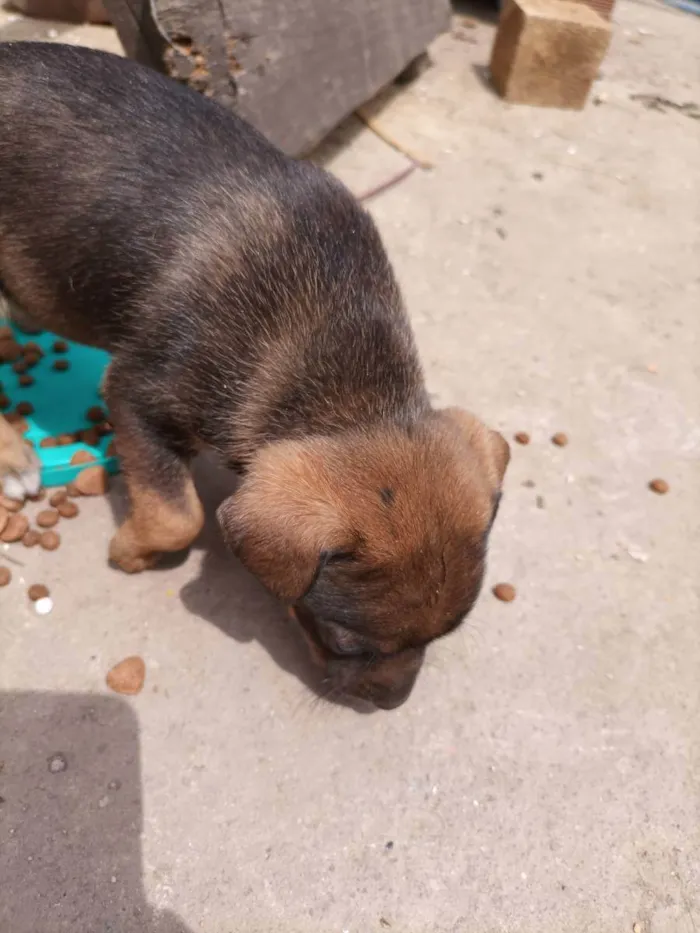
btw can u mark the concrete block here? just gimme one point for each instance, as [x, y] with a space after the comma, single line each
[547, 53]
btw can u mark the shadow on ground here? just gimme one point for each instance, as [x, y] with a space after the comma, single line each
[71, 815]
[224, 594]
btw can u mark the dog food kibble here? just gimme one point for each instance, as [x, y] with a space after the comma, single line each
[95, 414]
[31, 538]
[64, 440]
[67, 509]
[26, 381]
[20, 367]
[105, 428]
[37, 591]
[15, 528]
[659, 486]
[505, 592]
[58, 497]
[60, 346]
[522, 437]
[25, 408]
[47, 519]
[4, 402]
[10, 505]
[72, 491]
[80, 457]
[10, 350]
[48, 442]
[50, 540]
[17, 421]
[32, 349]
[128, 676]
[61, 366]
[90, 436]
[92, 481]
[4, 518]
[560, 439]
[5, 576]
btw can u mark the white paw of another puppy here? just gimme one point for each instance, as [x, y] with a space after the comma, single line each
[20, 470]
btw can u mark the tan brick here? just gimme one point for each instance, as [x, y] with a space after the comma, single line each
[547, 53]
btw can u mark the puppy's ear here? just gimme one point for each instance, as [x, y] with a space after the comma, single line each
[285, 518]
[490, 446]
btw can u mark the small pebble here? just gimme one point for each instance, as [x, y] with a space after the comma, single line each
[37, 591]
[560, 439]
[61, 366]
[43, 606]
[128, 676]
[50, 540]
[659, 486]
[47, 518]
[5, 576]
[505, 592]
[522, 437]
[57, 763]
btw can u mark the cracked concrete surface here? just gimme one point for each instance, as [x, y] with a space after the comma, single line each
[545, 775]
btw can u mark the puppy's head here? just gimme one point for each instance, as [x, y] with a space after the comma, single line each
[378, 539]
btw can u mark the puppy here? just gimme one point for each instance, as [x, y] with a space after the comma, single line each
[250, 308]
[19, 466]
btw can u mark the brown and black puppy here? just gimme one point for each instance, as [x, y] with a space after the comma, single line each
[250, 308]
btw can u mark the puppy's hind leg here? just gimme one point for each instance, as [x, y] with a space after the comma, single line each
[165, 513]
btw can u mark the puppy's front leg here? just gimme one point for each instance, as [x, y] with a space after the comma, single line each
[165, 512]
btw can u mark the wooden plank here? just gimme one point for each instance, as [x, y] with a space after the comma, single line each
[295, 70]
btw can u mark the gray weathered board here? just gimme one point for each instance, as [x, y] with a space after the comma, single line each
[293, 68]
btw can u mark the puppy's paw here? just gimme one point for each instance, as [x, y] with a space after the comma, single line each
[127, 556]
[20, 470]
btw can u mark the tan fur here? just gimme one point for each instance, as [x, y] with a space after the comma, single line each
[302, 498]
[155, 526]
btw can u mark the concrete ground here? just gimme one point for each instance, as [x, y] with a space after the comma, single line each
[545, 775]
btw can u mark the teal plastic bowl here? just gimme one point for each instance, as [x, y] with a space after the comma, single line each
[60, 401]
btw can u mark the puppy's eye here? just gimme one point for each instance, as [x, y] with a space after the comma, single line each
[342, 641]
[340, 557]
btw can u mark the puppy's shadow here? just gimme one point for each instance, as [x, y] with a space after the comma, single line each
[226, 595]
